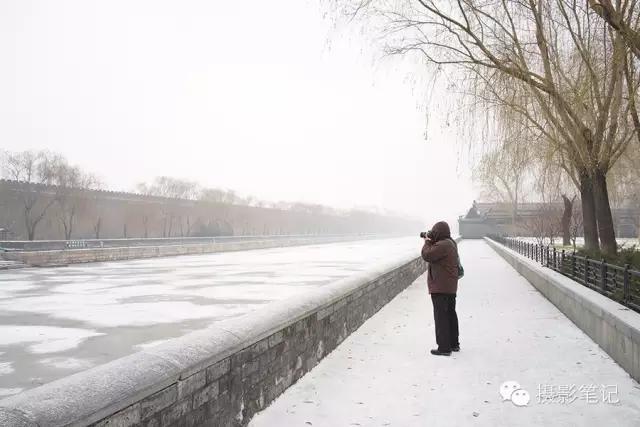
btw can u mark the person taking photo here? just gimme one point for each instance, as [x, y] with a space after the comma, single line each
[441, 252]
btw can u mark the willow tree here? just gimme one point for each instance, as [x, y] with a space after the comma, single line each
[503, 168]
[560, 53]
[624, 17]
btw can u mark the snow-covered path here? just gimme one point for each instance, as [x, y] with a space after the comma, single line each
[383, 374]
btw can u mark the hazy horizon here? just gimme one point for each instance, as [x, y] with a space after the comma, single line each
[271, 103]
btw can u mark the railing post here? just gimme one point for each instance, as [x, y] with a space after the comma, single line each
[625, 284]
[547, 255]
[603, 275]
[586, 270]
[573, 265]
[562, 261]
[555, 258]
[536, 252]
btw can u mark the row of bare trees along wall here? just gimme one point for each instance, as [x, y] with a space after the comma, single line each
[44, 197]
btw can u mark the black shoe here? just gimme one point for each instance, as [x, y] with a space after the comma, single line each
[440, 353]
[455, 348]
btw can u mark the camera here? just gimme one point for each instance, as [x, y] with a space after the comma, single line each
[427, 235]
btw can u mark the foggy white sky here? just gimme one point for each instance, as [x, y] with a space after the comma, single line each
[241, 95]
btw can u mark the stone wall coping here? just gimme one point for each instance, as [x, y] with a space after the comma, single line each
[91, 395]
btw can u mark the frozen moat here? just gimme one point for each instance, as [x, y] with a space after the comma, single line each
[58, 321]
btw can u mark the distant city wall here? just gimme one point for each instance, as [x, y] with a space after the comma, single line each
[56, 257]
[614, 327]
[112, 215]
[220, 376]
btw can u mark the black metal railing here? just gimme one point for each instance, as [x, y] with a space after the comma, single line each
[620, 283]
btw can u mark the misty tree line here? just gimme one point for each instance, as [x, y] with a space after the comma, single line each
[550, 86]
[65, 192]
[173, 188]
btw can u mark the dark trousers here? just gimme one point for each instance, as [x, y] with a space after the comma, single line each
[446, 319]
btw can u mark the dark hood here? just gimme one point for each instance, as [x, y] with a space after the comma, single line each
[441, 231]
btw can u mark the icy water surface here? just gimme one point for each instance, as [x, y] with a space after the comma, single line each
[58, 321]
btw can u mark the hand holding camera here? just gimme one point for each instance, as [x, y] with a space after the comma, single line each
[428, 235]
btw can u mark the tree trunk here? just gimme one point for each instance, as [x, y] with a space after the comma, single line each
[31, 227]
[590, 227]
[566, 220]
[603, 214]
[514, 215]
[96, 228]
[68, 229]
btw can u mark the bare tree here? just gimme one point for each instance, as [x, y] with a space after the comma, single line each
[71, 196]
[553, 51]
[567, 215]
[623, 17]
[215, 195]
[172, 190]
[502, 171]
[575, 228]
[36, 171]
[145, 224]
[97, 227]
[544, 226]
